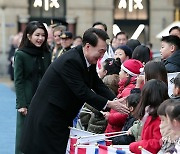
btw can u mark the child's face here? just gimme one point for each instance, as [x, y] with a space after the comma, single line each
[163, 125]
[119, 53]
[166, 50]
[176, 91]
[174, 124]
[122, 75]
[102, 72]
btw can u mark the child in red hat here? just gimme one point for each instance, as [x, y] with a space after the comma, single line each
[130, 69]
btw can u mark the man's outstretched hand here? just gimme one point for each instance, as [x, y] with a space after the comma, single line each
[118, 105]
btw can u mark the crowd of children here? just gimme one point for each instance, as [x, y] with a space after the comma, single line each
[153, 122]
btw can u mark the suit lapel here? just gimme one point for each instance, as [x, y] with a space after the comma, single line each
[80, 51]
[91, 72]
[88, 72]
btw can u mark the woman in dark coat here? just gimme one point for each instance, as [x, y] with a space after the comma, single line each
[31, 61]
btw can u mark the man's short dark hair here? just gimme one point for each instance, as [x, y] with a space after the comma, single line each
[177, 81]
[173, 28]
[122, 33]
[100, 23]
[175, 40]
[92, 34]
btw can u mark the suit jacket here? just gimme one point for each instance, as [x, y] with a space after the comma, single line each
[65, 87]
[23, 76]
[68, 84]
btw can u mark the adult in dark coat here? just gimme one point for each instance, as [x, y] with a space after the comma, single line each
[70, 81]
[31, 61]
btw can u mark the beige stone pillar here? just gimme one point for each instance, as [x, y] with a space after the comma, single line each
[10, 10]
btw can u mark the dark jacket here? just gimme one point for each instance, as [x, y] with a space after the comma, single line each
[66, 85]
[28, 71]
[125, 139]
[172, 63]
[97, 123]
[24, 66]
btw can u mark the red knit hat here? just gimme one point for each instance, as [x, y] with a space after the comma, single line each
[132, 66]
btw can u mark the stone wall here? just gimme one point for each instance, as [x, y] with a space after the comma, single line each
[10, 11]
[161, 15]
[86, 12]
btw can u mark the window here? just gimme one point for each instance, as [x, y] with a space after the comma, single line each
[36, 12]
[131, 10]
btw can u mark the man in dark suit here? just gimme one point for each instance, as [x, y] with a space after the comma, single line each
[70, 81]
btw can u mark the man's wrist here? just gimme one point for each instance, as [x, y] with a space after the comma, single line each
[104, 108]
[109, 104]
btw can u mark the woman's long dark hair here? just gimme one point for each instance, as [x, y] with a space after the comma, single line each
[154, 92]
[30, 28]
[155, 70]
